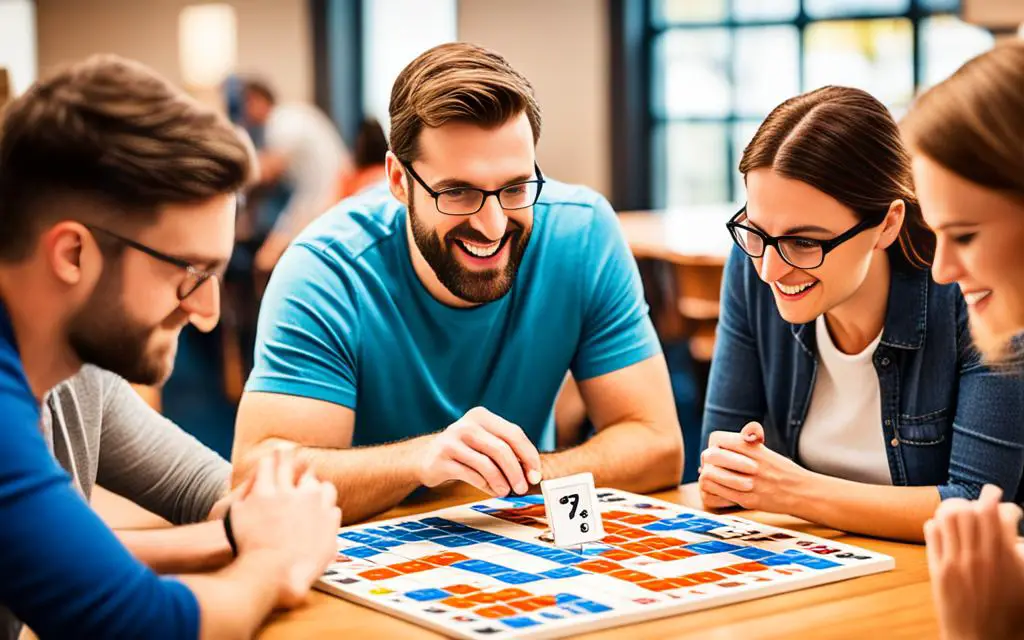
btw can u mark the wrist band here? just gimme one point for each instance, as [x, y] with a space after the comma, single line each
[229, 534]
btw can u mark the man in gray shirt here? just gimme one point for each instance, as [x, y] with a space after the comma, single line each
[102, 432]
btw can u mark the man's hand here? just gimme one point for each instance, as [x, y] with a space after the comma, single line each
[483, 450]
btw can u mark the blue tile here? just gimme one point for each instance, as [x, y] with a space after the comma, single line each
[516, 577]
[712, 546]
[358, 536]
[565, 598]
[562, 572]
[427, 595]
[519, 623]
[481, 566]
[413, 526]
[436, 521]
[753, 553]
[551, 616]
[428, 534]
[776, 560]
[590, 606]
[361, 552]
[454, 542]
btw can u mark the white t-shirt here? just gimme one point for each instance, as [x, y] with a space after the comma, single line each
[316, 158]
[842, 435]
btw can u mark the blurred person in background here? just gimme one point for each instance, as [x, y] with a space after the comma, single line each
[301, 148]
[370, 152]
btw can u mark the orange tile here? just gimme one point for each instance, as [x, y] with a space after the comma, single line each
[546, 601]
[636, 547]
[680, 553]
[413, 566]
[674, 542]
[614, 540]
[661, 555]
[526, 605]
[599, 566]
[615, 515]
[658, 543]
[511, 594]
[702, 577]
[683, 582]
[459, 603]
[379, 574]
[749, 567]
[634, 534]
[729, 571]
[640, 519]
[658, 585]
[500, 611]
[482, 598]
[445, 559]
[461, 589]
[631, 576]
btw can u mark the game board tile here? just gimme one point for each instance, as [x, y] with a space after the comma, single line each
[615, 515]
[634, 534]
[379, 574]
[483, 598]
[640, 518]
[730, 584]
[618, 554]
[459, 603]
[461, 589]
[511, 594]
[683, 582]
[658, 585]
[749, 567]
[630, 575]
[520, 622]
[495, 612]
[661, 555]
[426, 595]
[702, 577]
[599, 566]
[660, 543]
[679, 554]
[729, 571]
[380, 591]
[637, 547]
[444, 559]
[413, 566]
[526, 606]
[614, 539]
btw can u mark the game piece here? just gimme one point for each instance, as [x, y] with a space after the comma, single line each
[483, 570]
[572, 513]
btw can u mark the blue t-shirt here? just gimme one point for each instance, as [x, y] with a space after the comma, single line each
[345, 319]
[62, 571]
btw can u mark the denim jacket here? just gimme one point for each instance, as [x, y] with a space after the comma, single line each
[947, 420]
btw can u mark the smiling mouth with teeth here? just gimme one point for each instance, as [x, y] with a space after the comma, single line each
[483, 251]
[792, 290]
[974, 297]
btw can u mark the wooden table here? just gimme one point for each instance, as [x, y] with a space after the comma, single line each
[688, 237]
[896, 604]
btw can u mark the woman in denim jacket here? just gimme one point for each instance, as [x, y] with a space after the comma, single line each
[967, 138]
[844, 388]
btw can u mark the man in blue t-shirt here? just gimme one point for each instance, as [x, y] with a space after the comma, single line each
[117, 203]
[420, 333]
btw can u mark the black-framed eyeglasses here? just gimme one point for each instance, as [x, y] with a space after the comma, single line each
[465, 201]
[797, 251]
[194, 278]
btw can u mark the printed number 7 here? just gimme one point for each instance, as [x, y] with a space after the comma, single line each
[575, 497]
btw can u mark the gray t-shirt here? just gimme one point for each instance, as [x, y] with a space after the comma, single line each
[103, 433]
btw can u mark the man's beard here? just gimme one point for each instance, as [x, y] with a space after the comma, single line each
[477, 287]
[102, 334]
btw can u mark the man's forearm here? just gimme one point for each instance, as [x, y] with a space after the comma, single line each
[630, 456]
[234, 601]
[369, 480]
[193, 548]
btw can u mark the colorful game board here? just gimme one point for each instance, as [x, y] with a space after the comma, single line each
[488, 570]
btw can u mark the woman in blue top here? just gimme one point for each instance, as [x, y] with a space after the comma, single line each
[844, 388]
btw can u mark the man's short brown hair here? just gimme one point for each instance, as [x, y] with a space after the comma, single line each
[109, 133]
[457, 82]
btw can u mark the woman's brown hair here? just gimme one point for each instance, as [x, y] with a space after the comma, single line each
[845, 143]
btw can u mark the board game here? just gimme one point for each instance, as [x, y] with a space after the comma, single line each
[488, 569]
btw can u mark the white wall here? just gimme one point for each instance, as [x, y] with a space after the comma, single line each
[561, 46]
[274, 37]
[18, 42]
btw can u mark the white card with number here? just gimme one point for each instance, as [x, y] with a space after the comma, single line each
[573, 514]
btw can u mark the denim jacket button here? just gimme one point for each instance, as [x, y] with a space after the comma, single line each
[895, 442]
[884, 362]
[888, 422]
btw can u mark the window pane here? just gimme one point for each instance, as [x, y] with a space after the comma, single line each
[874, 55]
[696, 80]
[940, 5]
[947, 43]
[839, 8]
[696, 164]
[766, 68]
[742, 132]
[692, 10]
[752, 10]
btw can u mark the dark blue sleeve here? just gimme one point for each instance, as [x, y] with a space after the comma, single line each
[988, 441]
[736, 392]
[62, 571]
